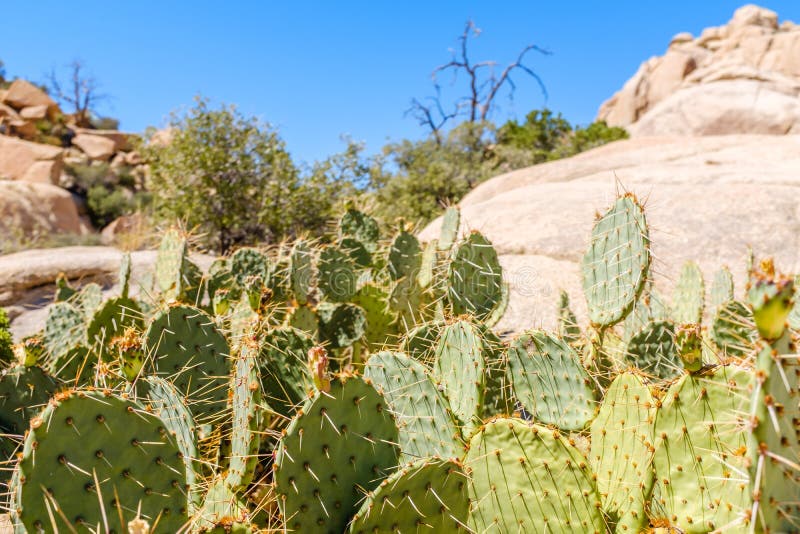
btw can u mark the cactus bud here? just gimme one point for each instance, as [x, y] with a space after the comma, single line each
[128, 347]
[29, 351]
[689, 341]
[772, 297]
[318, 365]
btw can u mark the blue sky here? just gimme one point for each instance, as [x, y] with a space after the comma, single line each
[318, 70]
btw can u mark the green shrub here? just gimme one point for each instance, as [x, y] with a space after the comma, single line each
[106, 203]
[6, 339]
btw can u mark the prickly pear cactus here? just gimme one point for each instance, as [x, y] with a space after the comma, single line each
[689, 345]
[110, 321]
[341, 325]
[649, 308]
[183, 345]
[282, 367]
[622, 451]
[420, 342]
[475, 278]
[342, 444]
[75, 367]
[653, 351]
[336, 278]
[361, 227]
[721, 288]
[568, 327]
[408, 301]
[528, 478]
[247, 417]
[688, 298]
[449, 232]
[550, 382]
[733, 329]
[405, 256]
[170, 264]
[616, 264]
[223, 512]
[460, 367]
[95, 457]
[64, 328]
[429, 494]
[303, 318]
[301, 270]
[700, 461]
[357, 252]
[380, 328]
[24, 391]
[249, 262]
[427, 428]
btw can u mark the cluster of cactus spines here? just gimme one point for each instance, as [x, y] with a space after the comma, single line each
[429, 494]
[616, 265]
[344, 442]
[549, 381]
[475, 278]
[183, 344]
[688, 299]
[427, 428]
[526, 477]
[622, 451]
[91, 459]
[375, 407]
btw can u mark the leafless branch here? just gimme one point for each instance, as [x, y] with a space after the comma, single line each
[81, 93]
[482, 91]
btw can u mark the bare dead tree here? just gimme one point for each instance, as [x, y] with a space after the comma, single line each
[80, 92]
[483, 88]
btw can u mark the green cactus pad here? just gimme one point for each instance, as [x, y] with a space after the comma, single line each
[550, 382]
[428, 495]
[341, 445]
[285, 379]
[99, 456]
[110, 321]
[247, 262]
[89, 299]
[648, 308]
[303, 318]
[247, 418]
[361, 227]
[427, 267]
[380, 328]
[408, 301]
[771, 298]
[356, 251]
[653, 351]
[701, 478]
[528, 478]
[568, 327]
[75, 367]
[420, 342]
[124, 278]
[301, 271]
[721, 288]
[184, 346]
[64, 328]
[616, 264]
[220, 278]
[341, 325]
[405, 256]
[621, 451]
[449, 231]
[336, 279]
[63, 290]
[733, 329]
[222, 512]
[24, 391]
[460, 367]
[171, 269]
[427, 428]
[474, 278]
[689, 295]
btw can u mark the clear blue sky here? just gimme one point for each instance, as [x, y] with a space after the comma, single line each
[321, 69]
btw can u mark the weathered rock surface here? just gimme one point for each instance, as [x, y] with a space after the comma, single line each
[95, 146]
[23, 94]
[707, 199]
[27, 278]
[742, 77]
[29, 162]
[28, 209]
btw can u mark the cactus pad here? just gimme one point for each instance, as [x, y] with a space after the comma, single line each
[550, 382]
[184, 346]
[621, 451]
[689, 295]
[733, 329]
[247, 415]
[24, 391]
[110, 321]
[475, 278]
[285, 379]
[341, 445]
[100, 457]
[336, 279]
[341, 325]
[65, 327]
[616, 264]
[528, 478]
[301, 270]
[405, 256]
[653, 351]
[449, 231]
[428, 495]
[361, 227]
[427, 428]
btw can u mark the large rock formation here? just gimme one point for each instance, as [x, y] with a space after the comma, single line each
[33, 209]
[742, 77]
[707, 200]
[29, 162]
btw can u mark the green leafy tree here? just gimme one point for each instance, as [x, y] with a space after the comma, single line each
[232, 178]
